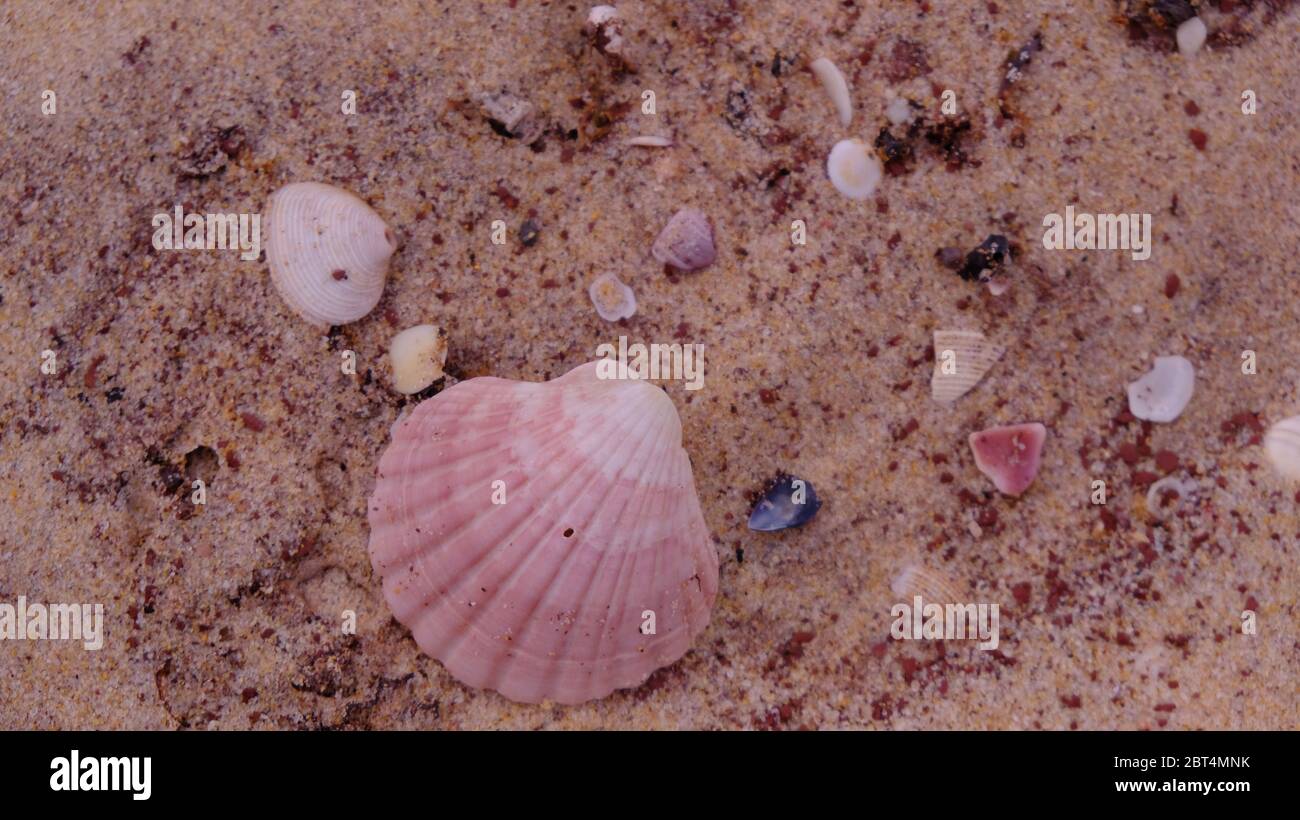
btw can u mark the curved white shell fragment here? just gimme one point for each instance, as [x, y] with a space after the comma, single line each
[837, 88]
[650, 141]
[1282, 446]
[961, 359]
[613, 299]
[529, 534]
[1191, 35]
[686, 242]
[854, 168]
[328, 252]
[1162, 393]
[417, 355]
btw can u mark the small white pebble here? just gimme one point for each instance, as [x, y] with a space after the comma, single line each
[613, 299]
[854, 168]
[1191, 36]
[898, 111]
[417, 355]
[1139, 310]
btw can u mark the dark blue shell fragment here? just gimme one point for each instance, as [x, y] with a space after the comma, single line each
[787, 502]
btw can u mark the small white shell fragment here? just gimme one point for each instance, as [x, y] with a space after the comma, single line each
[898, 112]
[854, 168]
[832, 79]
[1191, 36]
[1162, 394]
[651, 141]
[972, 357]
[1169, 482]
[417, 355]
[613, 299]
[606, 29]
[1282, 446]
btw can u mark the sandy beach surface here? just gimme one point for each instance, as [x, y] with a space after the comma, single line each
[177, 365]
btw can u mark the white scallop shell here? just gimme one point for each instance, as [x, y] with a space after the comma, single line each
[837, 88]
[972, 357]
[1162, 393]
[1282, 446]
[526, 533]
[613, 299]
[328, 252]
[854, 168]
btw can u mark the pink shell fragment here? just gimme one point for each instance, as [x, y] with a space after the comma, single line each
[1009, 455]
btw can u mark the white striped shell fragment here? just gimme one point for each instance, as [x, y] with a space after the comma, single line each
[1282, 446]
[686, 242]
[544, 540]
[961, 358]
[1009, 455]
[417, 355]
[837, 88]
[613, 299]
[854, 168]
[935, 586]
[328, 252]
[1163, 392]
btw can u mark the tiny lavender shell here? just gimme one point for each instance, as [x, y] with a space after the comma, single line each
[1162, 394]
[417, 355]
[613, 299]
[1282, 446]
[528, 534]
[1009, 455]
[686, 242]
[854, 168]
[837, 88]
[328, 252]
[786, 502]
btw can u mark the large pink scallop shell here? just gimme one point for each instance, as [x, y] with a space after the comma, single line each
[544, 596]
